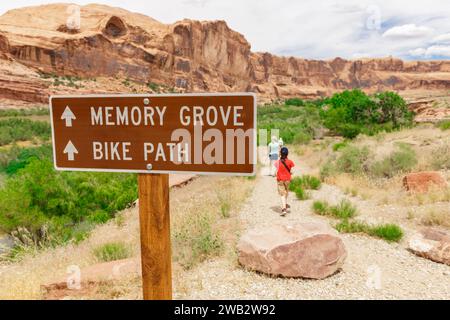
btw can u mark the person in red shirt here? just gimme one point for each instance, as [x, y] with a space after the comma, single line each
[284, 167]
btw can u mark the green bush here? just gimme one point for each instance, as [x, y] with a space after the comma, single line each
[18, 129]
[339, 145]
[37, 197]
[112, 251]
[401, 160]
[352, 112]
[294, 102]
[21, 157]
[444, 125]
[348, 226]
[294, 123]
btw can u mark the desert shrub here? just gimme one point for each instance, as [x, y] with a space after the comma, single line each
[196, 239]
[440, 157]
[294, 102]
[327, 170]
[444, 125]
[112, 251]
[18, 129]
[353, 159]
[401, 160]
[37, 197]
[339, 145]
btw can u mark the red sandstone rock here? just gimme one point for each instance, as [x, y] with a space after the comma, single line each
[422, 181]
[307, 250]
[432, 244]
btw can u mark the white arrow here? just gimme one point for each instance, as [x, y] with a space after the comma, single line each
[70, 150]
[68, 116]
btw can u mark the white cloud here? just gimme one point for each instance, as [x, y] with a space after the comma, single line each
[419, 52]
[432, 51]
[407, 31]
[443, 38]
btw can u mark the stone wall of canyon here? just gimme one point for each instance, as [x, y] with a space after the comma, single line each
[193, 56]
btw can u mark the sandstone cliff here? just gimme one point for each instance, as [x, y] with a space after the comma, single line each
[187, 55]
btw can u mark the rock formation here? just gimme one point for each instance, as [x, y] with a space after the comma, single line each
[187, 55]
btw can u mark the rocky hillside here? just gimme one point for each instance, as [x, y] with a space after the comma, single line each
[186, 56]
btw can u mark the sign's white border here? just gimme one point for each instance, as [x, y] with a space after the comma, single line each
[244, 94]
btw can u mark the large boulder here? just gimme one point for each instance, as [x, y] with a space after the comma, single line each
[422, 181]
[306, 250]
[432, 244]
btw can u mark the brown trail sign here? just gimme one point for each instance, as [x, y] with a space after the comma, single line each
[155, 135]
[162, 134]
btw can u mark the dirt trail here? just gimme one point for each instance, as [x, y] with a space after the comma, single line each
[374, 268]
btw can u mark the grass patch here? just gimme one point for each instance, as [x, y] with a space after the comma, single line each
[112, 251]
[344, 210]
[388, 232]
[24, 112]
[301, 194]
[305, 182]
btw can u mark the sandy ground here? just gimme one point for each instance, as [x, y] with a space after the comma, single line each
[374, 268]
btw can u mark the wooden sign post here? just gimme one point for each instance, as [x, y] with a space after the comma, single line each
[155, 135]
[154, 220]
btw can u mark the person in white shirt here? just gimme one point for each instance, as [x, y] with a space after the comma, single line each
[273, 150]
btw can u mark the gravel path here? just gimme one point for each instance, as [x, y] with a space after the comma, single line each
[374, 269]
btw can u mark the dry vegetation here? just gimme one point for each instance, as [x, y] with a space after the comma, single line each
[203, 215]
[431, 149]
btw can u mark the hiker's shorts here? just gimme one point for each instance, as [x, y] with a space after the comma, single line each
[283, 188]
[273, 156]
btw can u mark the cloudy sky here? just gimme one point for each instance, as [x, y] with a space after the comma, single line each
[414, 30]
